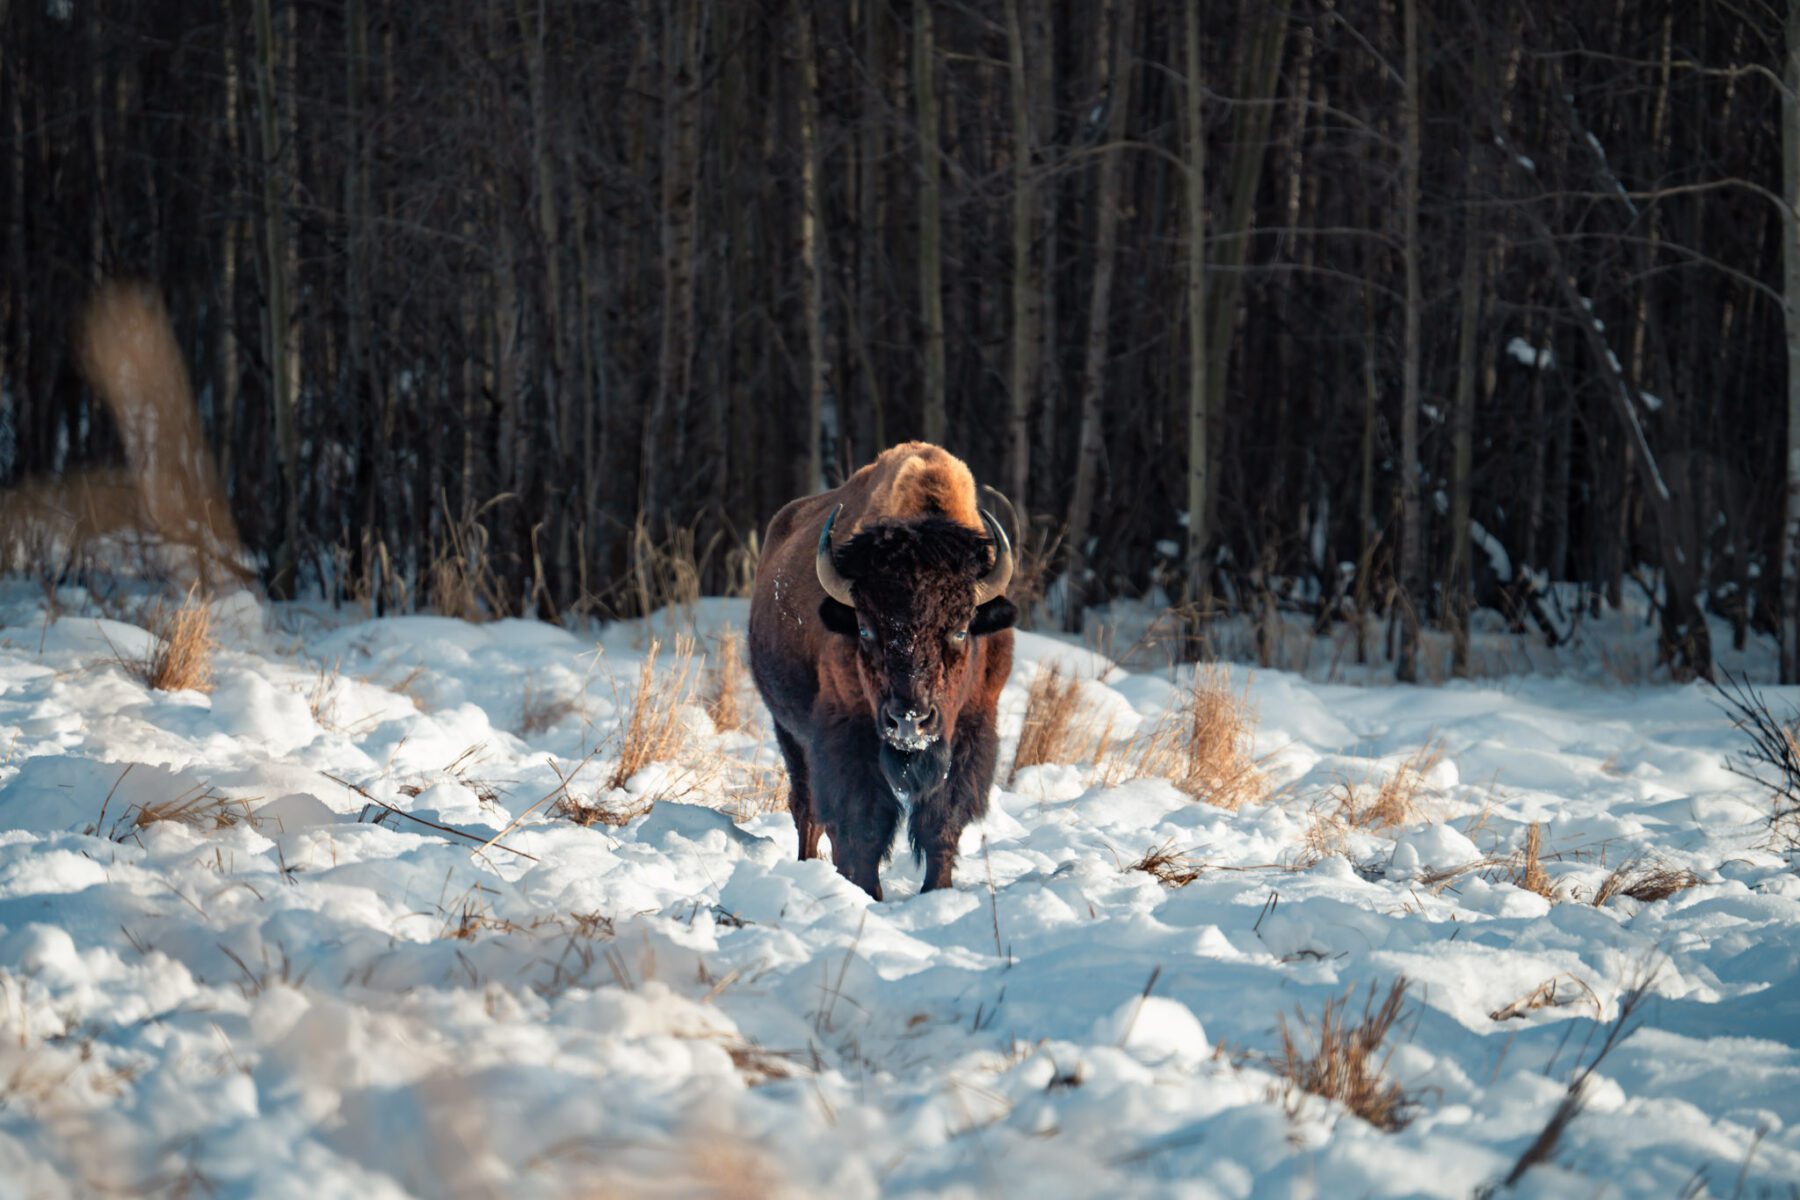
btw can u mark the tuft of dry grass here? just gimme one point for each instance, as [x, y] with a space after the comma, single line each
[1647, 882]
[1548, 994]
[200, 807]
[1344, 1060]
[725, 684]
[540, 712]
[1168, 866]
[653, 731]
[1528, 867]
[181, 650]
[460, 582]
[1202, 746]
[753, 789]
[1060, 727]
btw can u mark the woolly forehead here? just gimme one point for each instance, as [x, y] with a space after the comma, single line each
[919, 566]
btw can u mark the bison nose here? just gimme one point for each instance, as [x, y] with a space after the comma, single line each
[908, 725]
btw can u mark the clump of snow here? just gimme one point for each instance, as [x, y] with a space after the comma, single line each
[370, 958]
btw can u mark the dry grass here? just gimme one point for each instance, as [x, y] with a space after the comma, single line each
[1168, 866]
[1202, 746]
[1647, 882]
[1344, 1060]
[1060, 727]
[541, 712]
[1773, 757]
[198, 808]
[1549, 994]
[740, 566]
[752, 789]
[1528, 866]
[1543, 1147]
[460, 582]
[654, 732]
[181, 650]
[726, 684]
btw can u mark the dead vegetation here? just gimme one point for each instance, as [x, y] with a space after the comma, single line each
[199, 807]
[1202, 746]
[540, 712]
[1645, 882]
[181, 649]
[1552, 993]
[1344, 1060]
[654, 731]
[1543, 1147]
[1528, 865]
[1168, 866]
[460, 581]
[1375, 807]
[726, 683]
[1060, 726]
[1773, 757]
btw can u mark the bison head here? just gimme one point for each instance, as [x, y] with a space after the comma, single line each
[916, 596]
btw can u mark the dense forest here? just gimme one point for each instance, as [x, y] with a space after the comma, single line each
[1398, 306]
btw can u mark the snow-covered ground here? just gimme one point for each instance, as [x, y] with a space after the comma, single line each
[327, 999]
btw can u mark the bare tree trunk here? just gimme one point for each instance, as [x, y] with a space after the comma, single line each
[1407, 668]
[225, 380]
[931, 234]
[1462, 421]
[1027, 303]
[1112, 49]
[1263, 40]
[276, 329]
[1194, 214]
[871, 216]
[1790, 275]
[680, 131]
[811, 209]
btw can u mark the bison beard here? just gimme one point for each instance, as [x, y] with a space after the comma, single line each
[884, 708]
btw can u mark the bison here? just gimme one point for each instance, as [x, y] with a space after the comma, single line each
[881, 656]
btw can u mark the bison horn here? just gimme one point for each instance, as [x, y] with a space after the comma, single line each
[1000, 574]
[830, 578]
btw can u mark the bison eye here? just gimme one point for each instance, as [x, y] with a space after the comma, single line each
[960, 636]
[865, 633]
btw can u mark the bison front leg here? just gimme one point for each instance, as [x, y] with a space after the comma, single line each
[800, 805]
[937, 822]
[851, 800]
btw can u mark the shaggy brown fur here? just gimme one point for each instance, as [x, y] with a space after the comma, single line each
[916, 549]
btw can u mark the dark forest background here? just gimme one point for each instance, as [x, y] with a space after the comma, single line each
[553, 282]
